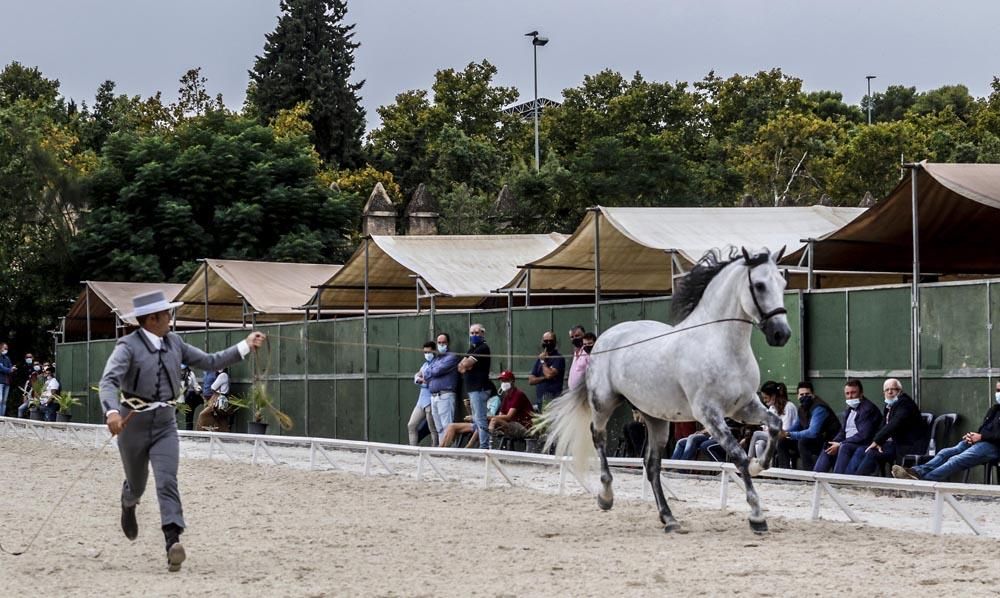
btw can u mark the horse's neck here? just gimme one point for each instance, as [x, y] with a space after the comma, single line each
[721, 299]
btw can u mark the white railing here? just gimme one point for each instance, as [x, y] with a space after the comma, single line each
[95, 435]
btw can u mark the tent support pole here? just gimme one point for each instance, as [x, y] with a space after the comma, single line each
[809, 251]
[88, 340]
[305, 369]
[597, 270]
[364, 360]
[433, 322]
[527, 288]
[205, 262]
[510, 331]
[915, 288]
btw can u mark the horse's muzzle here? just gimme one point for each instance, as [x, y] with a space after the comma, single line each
[776, 331]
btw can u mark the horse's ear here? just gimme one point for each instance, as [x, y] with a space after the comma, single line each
[777, 258]
[746, 255]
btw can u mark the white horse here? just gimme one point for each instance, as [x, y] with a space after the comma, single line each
[701, 369]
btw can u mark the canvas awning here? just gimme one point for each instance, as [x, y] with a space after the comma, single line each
[958, 215]
[273, 291]
[636, 244]
[461, 270]
[108, 301]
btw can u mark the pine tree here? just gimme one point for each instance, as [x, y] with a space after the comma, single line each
[309, 57]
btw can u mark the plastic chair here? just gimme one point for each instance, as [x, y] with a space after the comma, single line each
[988, 469]
[928, 423]
[939, 435]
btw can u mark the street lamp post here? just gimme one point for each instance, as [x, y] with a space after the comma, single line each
[536, 41]
[869, 78]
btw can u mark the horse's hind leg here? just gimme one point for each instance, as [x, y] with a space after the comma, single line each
[657, 434]
[715, 423]
[601, 413]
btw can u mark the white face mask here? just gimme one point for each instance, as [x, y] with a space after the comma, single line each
[442, 348]
[853, 403]
[4, 352]
[38, 368]
[998, 397]
[505, 386]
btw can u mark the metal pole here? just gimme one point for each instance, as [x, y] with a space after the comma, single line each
[527, 288]
[597, 270]
[534, 48]
[364, 330]
[305, 368]
[915, 288]
[433, 322]
[87, 307]
[205, 264]
[809, 251]
[869, 78]
[510, 331]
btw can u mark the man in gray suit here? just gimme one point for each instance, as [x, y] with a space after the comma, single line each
[145, 368]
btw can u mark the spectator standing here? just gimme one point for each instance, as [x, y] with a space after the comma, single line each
[191, 393]
[422, 410]
[475, 370]
[7, 370]
[974, 449]
[861, 420]
[903, 432]
[514, 417]
[441, 376]
[578, 367]
[547, 374]
[817, 425]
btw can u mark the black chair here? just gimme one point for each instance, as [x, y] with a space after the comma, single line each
[988, 470]
[901, 459]
[939, 436]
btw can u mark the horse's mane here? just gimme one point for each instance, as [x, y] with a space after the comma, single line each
[690, 289]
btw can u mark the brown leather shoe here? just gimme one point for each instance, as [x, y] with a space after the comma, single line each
[175, 556]
[904, 473]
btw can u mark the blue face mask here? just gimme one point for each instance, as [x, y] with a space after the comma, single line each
[428, 357]
[890, 402]
[853, 403]
[442, 348]
[475, 339]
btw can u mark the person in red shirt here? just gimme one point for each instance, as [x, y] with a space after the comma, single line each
[514, 418]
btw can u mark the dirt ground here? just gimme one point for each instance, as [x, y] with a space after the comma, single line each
[278, 531]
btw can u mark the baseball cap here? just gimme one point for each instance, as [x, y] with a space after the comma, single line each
[506, 375]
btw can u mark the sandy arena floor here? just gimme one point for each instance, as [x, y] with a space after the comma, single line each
[281, 531]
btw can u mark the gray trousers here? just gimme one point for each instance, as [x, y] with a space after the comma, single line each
[150, 437]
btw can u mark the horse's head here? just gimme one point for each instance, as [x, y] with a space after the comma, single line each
[762, 297]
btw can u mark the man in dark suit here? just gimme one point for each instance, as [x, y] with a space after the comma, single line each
[139, 388]
[861, 420]
[903, 433]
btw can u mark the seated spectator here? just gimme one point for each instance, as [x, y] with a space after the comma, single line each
[454, 430]
[47, 398]
[514, 417]
[974, 449]
[775, 396]
[861, 420]
[687, 448]
[634, 435]
[903, 433]
[817, 425]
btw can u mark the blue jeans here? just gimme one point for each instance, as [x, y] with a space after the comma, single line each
[478, 400]
[443, 410]
[958, 458]
[687, 448]
[4, 391]
[839, 463]
[867, 461]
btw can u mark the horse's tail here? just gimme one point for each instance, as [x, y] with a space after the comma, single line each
[568, 422]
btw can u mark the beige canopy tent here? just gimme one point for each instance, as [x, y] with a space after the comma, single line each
[98, 310]
[638, 250]
[958, 218]
[247, 292]
[454, 271]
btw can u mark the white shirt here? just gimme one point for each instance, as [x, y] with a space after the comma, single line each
[221, 384]
[51, 388]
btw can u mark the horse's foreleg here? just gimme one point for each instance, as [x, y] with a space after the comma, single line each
[716, 425]
[657, 434]
[606, 496]
[773, 429]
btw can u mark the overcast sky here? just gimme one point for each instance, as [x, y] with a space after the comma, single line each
[146, 45]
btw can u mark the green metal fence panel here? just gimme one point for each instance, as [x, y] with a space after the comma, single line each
[528, 326]
[456, 326]
[826, 333]
[879, 329]
[291, 360]
[383, 410]
[781, 363]
[323, 408]
[321, 347]
[495, 323]
[969, 397]
[348, 341]
[618, 312]
[383, 340]
[993, 290]
[656, 309]
[100, 351]
[293, 403]
[350, 409]
[564, 318]
[414, 331]
[953, 328]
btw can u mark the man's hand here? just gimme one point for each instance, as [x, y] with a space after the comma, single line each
[255, 340]
[972, 437]
[543, 356]
[833, 448]
[874, 445]
[115, 423]
[783, 434]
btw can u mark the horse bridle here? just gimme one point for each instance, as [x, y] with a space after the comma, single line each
[764, 316]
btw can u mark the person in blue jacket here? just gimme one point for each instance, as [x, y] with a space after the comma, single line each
[441, 377]
[817, 425]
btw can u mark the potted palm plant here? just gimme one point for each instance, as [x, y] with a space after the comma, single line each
[66, 402]
[35, 408]
[259, 404]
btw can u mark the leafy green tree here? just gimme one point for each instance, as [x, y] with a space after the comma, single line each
[892, 104]
[309, 57]
[218, 185]
[830, 105]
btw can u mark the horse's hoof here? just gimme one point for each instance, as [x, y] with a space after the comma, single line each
[758, 527]
[754, 468]
[673, 526]
[605, 503]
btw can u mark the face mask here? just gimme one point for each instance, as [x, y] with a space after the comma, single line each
[577, 342]
[28, 361]
[998, 397]
[806, 401]
[505, 386]
[853, 403]
[475, 339]
[548, 345]
[4, 352]
[442, 348]
[428, 357]
[890, 402]
[588, 348]
[38, 368]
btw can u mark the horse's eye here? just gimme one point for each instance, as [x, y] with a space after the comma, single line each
[759, 287]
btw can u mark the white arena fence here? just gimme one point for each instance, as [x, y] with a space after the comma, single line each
[96, 436]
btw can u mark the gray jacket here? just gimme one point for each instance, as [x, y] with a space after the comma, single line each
[132, 367]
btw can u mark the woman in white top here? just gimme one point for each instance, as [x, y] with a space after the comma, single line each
[775, 396]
